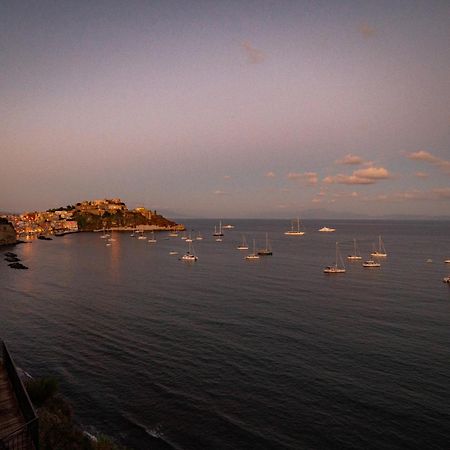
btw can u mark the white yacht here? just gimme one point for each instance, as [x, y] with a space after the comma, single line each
[189, 255]
[228, 227]
[370, 263]
[327, 230]
[336, 268]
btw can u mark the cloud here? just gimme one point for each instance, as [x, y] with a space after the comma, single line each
[254, 56]
[350, 159]
[366, 30]
[309, 178]
[369, 175]
[415, 194]
[270, 174]
[427, 157]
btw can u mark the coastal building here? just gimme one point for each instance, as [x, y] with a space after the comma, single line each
[7, 232]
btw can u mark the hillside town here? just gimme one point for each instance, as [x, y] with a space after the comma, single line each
[88, 215]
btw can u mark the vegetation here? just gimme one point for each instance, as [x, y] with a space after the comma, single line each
[57, 429]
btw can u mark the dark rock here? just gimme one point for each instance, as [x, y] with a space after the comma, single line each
[12, 259]
[17, 265]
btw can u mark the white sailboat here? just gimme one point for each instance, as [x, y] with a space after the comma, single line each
[293, 232]
[199, 237]
[336, 268]
[266, 251]
[152, 240]
[105, 235]
[381, 252]
[218, 232]
[189, 238]
[244, 245]
[141, 236]
[253, 255]
[355, 256]
[189, 255]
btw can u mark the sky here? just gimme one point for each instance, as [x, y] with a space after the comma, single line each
[227, 109]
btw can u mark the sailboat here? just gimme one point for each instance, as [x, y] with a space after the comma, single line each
[293, 232]
[327, 230]
[189, 255]
[199, 237]
[105, 234]
[266, 251]
[189, 239]
[355, 256]
[381, 252]
[141, 235]
[220, 232]
[253, 255]
[336, 268]
[111, 239]
[152, 240]
[244, 245]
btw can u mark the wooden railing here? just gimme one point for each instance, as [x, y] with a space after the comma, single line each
[27, 436]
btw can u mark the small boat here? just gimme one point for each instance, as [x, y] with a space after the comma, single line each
[370, 263]
[219, 239]
[265, 251]
[218, 232]
[447, 261]
[184, 237]
[189, 255]
[189, 239]
[429, 260]
[141, 235]
[327, 230]
[446, 279]
[355, 256]
[244, 245]
[152, 240]
[381, 252]
[253, 255]
[173, 253]
[336, 268]
[44, 238]
[228, 227]
[105, 235]
[108, 244]
[199, 237]
[293, 232]
[111, 239]
[173, 234]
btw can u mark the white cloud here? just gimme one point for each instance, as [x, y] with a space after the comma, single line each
[369, 175]
[427, 157]
[350, 159]
[309, 178]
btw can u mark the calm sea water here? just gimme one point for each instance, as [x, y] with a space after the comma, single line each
[231, 354]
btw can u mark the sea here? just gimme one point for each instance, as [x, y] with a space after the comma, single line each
[227, 353]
